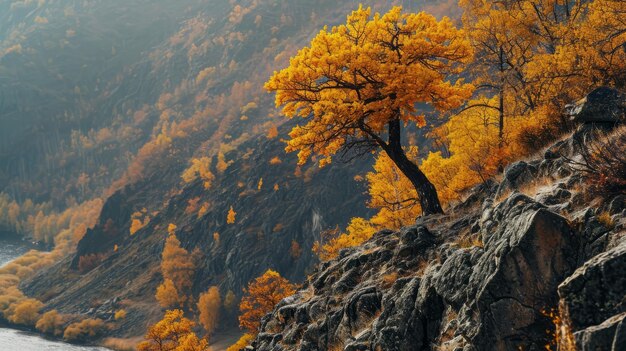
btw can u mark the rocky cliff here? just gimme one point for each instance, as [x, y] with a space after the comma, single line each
[523, 263]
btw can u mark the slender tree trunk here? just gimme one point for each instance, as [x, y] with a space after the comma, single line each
[501, 93]
[429, 200]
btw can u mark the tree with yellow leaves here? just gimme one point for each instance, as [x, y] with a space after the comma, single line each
[167, 295]
[359, 230]
[209, 304]
[391, 193]
[26, 312]
[272, 132]
[359, 83]
[601, 40]
[199, 169]
[503, 46]
[535, 56]
[178, 269]
[51, 323]
[260, 297]
[472, 149]
[231, 216]
[173, 333]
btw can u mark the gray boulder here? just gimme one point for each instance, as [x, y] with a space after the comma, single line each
[608, 336]
[516, 175]
[603, 105]
[596, 291]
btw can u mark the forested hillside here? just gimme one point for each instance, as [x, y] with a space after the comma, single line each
[189, 163]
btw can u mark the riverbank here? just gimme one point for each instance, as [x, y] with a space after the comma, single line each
[18, 340]
[13, 337]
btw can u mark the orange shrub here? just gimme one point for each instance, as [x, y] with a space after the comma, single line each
[260, 297]
[209, 308]
[84, 330]
[51, 323]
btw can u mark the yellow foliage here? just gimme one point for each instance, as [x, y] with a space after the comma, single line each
[171, 229]
[120, 314]
[231, 216]
[84, 330]
[50, 323]
[222, 164]
[26, 312]
[178, 269]
[392, 194]
[203, 209]
[473, 149]
[137, 222]
[251, 106]
[260, 297]
[209, 304]
[167, 295]
[275, 160]
[200, 168]
[272, 132]
[204, 74]
[356, 78]
[173, 333]
[360, 83]
[358, 231]
[539, 55]
[260, 184]
[245, 340]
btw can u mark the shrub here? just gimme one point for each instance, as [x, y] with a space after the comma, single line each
[51, 323]
[605, 219]
[173, 332]
[26, 312]
[167, 295]
[261, 296]
[120, 314]
[84, 330]
[209, 308]
[244, 341]
[603, 163]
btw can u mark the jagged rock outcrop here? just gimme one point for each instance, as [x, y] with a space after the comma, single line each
[383, 296]
[594, 300]
[489, 275]
[602, 105]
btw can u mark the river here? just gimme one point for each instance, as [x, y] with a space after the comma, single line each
[15, 340]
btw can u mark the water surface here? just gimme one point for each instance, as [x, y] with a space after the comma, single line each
[15, 340]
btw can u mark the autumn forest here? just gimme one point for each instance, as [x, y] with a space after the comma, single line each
[178, 170]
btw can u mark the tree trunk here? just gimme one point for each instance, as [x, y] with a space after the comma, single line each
[429, 200]
[501, 98]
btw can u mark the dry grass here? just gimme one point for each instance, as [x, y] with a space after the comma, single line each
[605, 219]
[466, 242]
[423, 265]
[120, 344]
[603, 164]
[389, 279]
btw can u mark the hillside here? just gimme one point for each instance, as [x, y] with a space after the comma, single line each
[491, 274]
[314, 175]
[106, 106]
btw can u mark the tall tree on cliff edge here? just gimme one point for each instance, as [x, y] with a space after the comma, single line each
[358, 84]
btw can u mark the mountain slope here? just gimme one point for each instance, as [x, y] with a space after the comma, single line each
[525, 263]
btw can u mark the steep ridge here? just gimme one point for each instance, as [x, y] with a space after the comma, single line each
[268, 222]
[499, 271]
